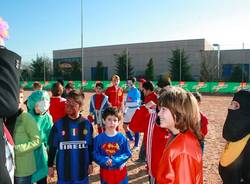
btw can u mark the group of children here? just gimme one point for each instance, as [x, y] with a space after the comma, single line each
[57, 133]
[57, 126]
[111, 149]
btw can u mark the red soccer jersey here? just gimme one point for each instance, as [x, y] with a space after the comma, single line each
[151, 97]
[115, 95]
[98, 101]
[57, 108]
[204, 123]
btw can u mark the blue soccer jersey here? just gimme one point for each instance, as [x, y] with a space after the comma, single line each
[73, 142]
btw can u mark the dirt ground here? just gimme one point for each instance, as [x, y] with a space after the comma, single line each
[215, 107]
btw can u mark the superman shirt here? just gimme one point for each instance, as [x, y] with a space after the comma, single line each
[73, 142]
[117, 149]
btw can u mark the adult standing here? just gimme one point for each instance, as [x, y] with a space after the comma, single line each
[9, 90]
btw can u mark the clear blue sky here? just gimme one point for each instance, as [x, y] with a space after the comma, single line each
[41, 26]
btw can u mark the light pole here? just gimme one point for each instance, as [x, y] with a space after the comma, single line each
[82, 53]
[180, 64]
[127, 63]
[44, 71]
[218, 59]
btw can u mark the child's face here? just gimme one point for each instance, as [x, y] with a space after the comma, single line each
[72, 108]
[111, 122]
[115, 82]
[98, 90]
[166, 118]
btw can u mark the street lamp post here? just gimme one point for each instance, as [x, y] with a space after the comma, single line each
[127, 63]
[82, 53]
[180, 64]
[218, 59]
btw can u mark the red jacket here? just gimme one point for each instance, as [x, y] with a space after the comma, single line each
[115, 95]
[204, 123]
[57, 108]
[155, 138]
[151, 97]
[181, 161]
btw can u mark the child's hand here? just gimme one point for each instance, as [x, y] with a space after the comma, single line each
[109, 162]
[91, 118]
[51, 172]
[91, 168]
[150, 105]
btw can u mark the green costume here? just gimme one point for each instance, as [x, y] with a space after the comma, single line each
[26, 138]
[40, 99]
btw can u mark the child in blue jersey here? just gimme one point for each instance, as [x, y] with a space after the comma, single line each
[133, 102]
[111, 150]
[71, 140]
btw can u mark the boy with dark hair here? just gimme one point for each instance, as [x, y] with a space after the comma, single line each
[148, 90]
[69, 87]
[71, 140]
[111, 150]
[132, 103]
[98, 103]
[57, 107]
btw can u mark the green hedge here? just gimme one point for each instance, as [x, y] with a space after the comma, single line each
[206, 87]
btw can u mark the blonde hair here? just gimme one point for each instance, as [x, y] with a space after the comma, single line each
[184, 109]
[115, 77]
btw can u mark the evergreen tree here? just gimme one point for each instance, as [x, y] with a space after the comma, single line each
[99, 71]
[26, 73]
[149, 72]
[37, 68]
[237, 74]
[121, 65]
[179, 56]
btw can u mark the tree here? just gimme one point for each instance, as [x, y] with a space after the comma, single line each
[26, 73]
[237, 74]
[99, 71]
[206, 74]
[209, 67]
[37, 67]
[121, 65]
[179, 56]
[149, 72]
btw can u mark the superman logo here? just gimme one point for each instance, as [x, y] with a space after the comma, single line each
[111, 148]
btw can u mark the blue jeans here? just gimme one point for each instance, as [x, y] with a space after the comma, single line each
[22, 180]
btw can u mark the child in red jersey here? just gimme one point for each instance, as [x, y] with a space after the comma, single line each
[181, 161]
[115, 93]
[57, 107]
[204, 119]
[98, 103]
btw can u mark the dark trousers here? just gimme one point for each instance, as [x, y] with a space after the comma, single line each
[42, 181]
[23, 180]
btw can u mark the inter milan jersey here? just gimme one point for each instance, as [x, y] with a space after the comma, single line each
[73, 142]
